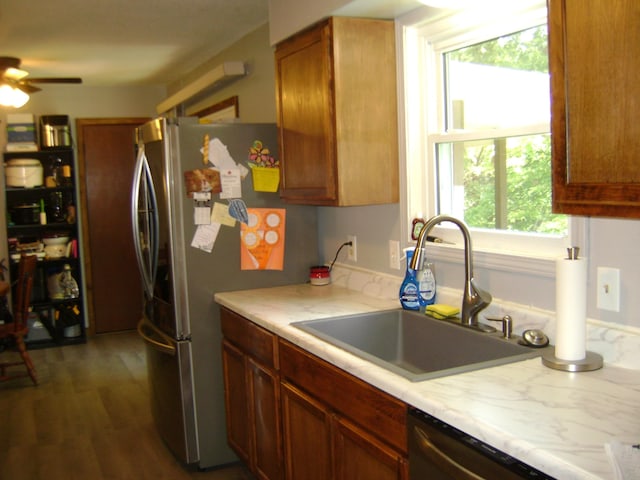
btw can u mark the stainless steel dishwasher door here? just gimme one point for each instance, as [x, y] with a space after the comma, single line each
[438, 451]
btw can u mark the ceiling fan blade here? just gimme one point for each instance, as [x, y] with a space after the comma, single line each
[53, 80]
[26, 88]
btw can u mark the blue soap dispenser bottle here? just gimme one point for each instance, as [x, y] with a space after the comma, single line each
[410, 289]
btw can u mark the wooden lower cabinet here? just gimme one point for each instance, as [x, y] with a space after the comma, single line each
[252, 396]
[292, 415]
[335, 425]
[320, 444]
[307, 436]
[359, 455]
[237, 401]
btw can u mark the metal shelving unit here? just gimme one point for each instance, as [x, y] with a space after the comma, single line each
[54, 321]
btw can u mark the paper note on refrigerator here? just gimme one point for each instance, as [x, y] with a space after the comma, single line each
[205, 237]
[219, 155]
[220, 214]
[230, 180]
[262, 239]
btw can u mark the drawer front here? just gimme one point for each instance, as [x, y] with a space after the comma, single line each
[373, 409]
[252, 339]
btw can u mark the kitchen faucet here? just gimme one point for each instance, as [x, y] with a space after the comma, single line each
[474, 299]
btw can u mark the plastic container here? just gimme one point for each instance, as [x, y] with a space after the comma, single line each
[319, 275]
[409, 290]
[68, 283]
[23, 172]
[418, 288]
[426, 285]
[25, 214]
[55, 131]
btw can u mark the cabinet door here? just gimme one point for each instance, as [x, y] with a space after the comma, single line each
[305, 117]
[382, 415]
[358, 455]
[307, 436]
[237, 405]
[594, 60]
[265, 393]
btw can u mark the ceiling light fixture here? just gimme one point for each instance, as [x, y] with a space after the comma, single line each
[12, 95]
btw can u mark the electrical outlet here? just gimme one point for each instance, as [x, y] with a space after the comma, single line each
[352, 252]
[394, 254]
[608, 297]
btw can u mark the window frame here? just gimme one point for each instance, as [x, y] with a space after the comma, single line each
[420, 35]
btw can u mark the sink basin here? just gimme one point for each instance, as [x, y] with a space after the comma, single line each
[416, 346]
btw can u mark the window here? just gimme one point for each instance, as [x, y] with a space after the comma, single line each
[477, 112]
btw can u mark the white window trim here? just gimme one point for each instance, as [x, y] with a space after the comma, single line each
[419, 179]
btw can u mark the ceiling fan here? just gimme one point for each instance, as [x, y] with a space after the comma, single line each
[15, 87]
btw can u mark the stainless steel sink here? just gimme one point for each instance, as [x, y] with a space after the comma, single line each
[416, 346]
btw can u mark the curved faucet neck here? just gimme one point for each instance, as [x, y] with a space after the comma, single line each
[473, 298]
[422, 238]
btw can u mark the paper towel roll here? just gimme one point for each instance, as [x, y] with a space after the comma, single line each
[571, 308]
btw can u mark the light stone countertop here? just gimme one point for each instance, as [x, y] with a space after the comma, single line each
[555, 421]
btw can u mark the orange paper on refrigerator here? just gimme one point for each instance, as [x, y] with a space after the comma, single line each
[262, 239]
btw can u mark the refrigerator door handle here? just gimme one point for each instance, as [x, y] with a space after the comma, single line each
[156, 338]
[149, 209]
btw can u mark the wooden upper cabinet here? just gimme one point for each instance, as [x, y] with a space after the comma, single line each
[337, 113]
[594, 60]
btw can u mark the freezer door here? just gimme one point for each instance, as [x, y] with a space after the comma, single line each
[171, 390]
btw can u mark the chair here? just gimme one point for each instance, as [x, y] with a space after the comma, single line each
[15, 331]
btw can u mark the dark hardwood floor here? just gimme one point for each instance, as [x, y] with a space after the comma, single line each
[88, 419]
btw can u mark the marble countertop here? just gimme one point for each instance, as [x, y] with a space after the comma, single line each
[555, 421]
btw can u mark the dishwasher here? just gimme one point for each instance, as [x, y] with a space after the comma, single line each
[438, 451]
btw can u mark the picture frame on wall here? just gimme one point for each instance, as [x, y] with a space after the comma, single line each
[227, 110]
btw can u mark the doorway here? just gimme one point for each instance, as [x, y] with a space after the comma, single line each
[106, 158]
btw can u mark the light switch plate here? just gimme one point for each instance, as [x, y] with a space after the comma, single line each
[608, 289]
[394, 254]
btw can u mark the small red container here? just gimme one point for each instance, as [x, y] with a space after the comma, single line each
[319, 275]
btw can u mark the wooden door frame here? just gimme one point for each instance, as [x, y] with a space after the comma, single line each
[81, 124]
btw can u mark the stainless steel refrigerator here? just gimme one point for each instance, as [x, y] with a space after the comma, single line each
[180, 322]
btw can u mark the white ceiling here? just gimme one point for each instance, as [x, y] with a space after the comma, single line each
[123, 42]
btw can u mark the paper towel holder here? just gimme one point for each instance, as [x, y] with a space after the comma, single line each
[591, 361]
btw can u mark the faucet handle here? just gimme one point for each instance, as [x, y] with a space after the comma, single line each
[507, 325]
